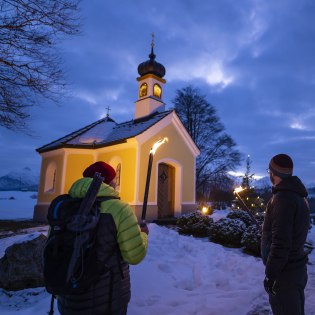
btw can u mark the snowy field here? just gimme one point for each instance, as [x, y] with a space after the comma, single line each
[180, 275]
[17, 205]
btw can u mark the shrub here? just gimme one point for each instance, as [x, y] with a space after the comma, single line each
[227, 231]
[251, 240]
[194, 224]
[241, 215]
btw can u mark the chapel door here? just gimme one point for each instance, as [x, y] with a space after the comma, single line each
[166, 188]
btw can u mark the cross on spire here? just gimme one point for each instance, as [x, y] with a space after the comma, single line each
[152, 43]
[108, 109]
[152, 56]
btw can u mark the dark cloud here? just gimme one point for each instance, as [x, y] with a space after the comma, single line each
[253, 60]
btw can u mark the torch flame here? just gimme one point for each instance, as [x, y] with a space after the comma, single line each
[157, 144]
[238, 189]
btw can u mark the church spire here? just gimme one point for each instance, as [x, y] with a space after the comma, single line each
[150, 86]
[152, 55]
[151, 66]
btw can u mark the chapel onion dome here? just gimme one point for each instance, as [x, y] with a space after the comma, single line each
[151, 67]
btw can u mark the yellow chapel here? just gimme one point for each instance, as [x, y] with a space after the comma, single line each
[126, 147]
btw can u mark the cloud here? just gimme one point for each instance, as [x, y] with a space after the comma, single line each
[253, 61]
[298, 126]
[203, 67]
[295, 120]
[85, 96]
[103, 95]
[285, 139]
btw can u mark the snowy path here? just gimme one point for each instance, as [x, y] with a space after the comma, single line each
[181, 275]
[310, 288]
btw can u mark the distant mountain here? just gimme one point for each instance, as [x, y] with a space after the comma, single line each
[25, 179]
[311, 192]
[261, 183]
[264, 182]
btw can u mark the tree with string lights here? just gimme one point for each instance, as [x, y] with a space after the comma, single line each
[247, 196]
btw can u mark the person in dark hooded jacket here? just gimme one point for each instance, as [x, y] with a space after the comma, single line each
[285, 229]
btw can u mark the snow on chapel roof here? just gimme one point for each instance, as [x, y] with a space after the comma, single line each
[104, 132]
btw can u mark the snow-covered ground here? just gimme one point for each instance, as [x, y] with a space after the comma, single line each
[17, 205]
[180, 275]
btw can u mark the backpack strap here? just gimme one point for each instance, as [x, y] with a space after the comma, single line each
[53, 213]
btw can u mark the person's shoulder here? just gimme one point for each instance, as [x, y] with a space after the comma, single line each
[284, 194]
[284, 199]
[120, 211]
[115, 204]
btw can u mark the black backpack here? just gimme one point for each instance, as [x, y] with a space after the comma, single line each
[70, 262]
[59, 249]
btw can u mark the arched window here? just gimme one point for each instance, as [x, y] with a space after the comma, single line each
[50, 178]
[157, 91]
[143, 91]
[118, 173]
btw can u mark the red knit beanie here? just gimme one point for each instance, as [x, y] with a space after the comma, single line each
[100, 167]
[281, 165]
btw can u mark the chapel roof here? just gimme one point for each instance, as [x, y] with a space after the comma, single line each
[105, 132]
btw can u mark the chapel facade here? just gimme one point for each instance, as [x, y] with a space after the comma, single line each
[126, 147]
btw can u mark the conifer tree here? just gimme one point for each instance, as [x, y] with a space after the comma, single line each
[249, 195]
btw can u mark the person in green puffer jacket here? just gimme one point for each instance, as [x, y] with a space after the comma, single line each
[120, 242]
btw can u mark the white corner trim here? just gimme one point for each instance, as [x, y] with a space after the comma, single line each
[171, 118]
[152, 131]
[137, 175]
[195, 180]
[64, 166]
[139, 203]
[188, 203]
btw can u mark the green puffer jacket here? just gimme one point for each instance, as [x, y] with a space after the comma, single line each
[132, 242]
[117, 224]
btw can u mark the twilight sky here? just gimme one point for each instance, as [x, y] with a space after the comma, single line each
[254, 60]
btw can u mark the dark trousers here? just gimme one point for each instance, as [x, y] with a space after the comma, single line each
[123, 310]
[289, 299]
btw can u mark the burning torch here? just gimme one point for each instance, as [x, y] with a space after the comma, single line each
[237, 190]
[155, 146]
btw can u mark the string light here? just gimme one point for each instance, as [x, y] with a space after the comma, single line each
[204, 210]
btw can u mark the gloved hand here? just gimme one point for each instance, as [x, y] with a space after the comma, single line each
[144, 228]
[269, 285]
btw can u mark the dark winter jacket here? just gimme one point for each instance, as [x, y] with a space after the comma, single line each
[119, 242]
[285, 228]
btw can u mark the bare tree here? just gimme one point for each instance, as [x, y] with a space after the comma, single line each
[30, 66]
[217, 149]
